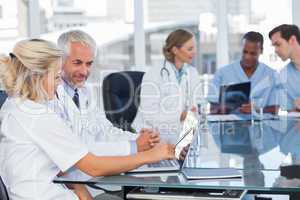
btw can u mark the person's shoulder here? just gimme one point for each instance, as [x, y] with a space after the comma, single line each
[26, 110]
[193, 73]
[227, 68]
[192, 69]
[267, 67]
[285, 72]
[8, 106]
[16, 104]
[153, 72]
[87, 87]
[230, 65]
[153, 69]
[288, 67]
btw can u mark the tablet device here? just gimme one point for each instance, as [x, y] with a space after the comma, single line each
[234, 95]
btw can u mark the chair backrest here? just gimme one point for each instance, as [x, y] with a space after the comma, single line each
[121, 97]
[3, 191]
[3, 97]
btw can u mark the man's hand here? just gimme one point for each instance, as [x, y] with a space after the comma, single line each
[184, 152]
[183, 116]
[297, 126]
[245, 108]
[147, 139]
[161, 151]
[184, 113]
[297, 105]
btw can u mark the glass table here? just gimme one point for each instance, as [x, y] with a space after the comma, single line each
[256, 148]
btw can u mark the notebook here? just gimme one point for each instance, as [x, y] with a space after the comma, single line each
[234, 95]
[214, 173]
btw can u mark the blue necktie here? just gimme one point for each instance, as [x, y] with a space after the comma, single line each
[76, 98]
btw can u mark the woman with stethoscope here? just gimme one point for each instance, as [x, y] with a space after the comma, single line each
[167, 91]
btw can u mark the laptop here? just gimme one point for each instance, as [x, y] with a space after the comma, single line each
[190, 174]
[234, 95]
[164, 165]
[189, 127]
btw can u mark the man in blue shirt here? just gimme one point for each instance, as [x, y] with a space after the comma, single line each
[286, 39]
[247, 69]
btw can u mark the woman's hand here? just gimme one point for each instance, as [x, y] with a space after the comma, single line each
[82, 192]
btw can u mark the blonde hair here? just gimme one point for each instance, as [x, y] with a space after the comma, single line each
[23, 70]
[176, 38]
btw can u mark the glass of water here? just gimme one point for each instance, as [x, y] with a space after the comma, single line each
[257, 108]
[203, 109]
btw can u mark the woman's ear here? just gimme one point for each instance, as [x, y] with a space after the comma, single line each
[174, 50]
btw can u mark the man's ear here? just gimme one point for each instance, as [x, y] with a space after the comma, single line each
[293, 40]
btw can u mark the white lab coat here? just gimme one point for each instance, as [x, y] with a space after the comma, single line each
[163, 99]
[35, 147]
[91, 125]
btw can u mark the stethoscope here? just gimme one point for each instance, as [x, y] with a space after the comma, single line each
[164, 70]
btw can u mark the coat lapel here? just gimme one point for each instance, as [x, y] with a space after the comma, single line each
[70, 109]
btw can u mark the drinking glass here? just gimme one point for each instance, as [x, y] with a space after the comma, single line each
[257, 108]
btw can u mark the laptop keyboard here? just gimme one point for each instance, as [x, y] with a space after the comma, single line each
[164, 163]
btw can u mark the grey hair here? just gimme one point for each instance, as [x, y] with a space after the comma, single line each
[65, 39]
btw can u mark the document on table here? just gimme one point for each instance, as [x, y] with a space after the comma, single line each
[293, 114]
[227, 117]
[239, 117]
[212, 173]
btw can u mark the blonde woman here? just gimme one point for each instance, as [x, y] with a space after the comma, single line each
[36, 144]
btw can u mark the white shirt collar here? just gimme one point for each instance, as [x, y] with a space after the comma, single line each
[71, 90]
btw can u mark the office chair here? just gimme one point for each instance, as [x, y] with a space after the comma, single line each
[3, 97]
[121, 97]
[3, 191]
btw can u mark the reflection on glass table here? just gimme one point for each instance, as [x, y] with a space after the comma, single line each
[257, 180]
[245, 145]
